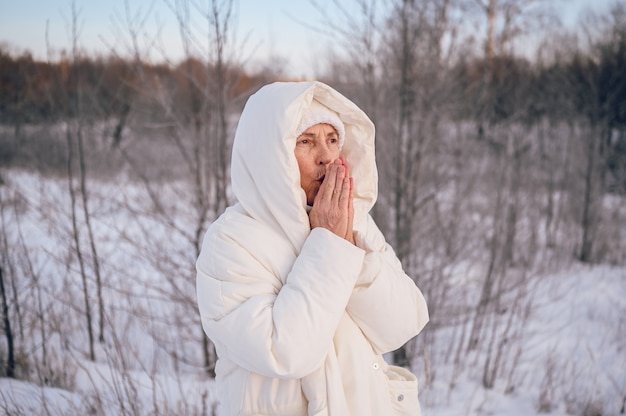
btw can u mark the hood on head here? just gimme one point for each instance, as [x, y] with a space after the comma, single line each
[264, 171]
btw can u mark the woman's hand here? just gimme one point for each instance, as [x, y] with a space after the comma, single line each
[333, 207]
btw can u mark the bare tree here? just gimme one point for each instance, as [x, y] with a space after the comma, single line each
[195, 107]
[75, 143]
[599, 89]
[8, 333]
[410, 128]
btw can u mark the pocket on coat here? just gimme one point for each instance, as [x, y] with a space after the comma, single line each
[272, 396]
[403, 391]
[315, 411]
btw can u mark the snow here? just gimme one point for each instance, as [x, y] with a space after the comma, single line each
[19, 397]
[567, 353]
[575, 338]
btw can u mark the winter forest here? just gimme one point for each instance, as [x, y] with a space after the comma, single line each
[502, 188]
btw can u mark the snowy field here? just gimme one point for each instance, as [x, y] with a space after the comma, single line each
[565, 345]
[573, 359]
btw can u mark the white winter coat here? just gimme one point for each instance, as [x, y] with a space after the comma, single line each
[300, 317]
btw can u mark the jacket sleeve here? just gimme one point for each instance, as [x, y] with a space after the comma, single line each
[385, 303]
[271, 329]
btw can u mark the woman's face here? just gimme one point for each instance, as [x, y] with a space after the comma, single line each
[316, 148]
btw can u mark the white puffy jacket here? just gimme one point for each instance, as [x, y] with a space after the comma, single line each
[300, 317]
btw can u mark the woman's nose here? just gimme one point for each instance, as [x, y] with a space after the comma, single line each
[325, 155]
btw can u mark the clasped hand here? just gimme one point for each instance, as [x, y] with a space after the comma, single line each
[333, 207]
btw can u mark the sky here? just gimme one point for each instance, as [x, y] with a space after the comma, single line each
[263, 28]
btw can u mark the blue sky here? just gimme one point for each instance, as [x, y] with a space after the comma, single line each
[262, 27]
[268, 27]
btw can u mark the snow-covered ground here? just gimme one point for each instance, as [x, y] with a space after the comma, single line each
[573, 355]
[566, 351]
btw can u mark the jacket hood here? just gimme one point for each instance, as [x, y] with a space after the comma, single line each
[264, 171]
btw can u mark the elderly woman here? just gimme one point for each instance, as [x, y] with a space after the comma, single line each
[297, 287]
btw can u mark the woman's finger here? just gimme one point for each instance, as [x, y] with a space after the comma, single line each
[328, 186]
[339, 178]
[344, 197]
